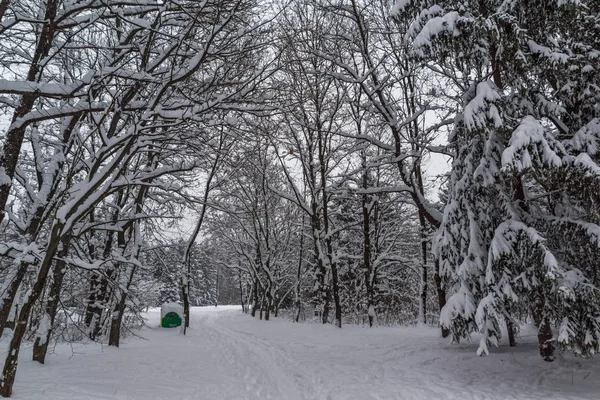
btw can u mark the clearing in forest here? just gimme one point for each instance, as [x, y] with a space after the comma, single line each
[229, 355]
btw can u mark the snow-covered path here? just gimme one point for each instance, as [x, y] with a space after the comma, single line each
[228, 355]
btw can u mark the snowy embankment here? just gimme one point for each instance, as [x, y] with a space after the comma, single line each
[228, 355]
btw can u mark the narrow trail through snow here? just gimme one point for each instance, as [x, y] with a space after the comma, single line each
[228, 355]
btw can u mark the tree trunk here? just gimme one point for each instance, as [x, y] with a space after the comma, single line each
[423, 298]
[117, 317]
[13, 288]
[326, 301]
[269, 299]
[217, 288]
[545, 340]
[91, 309]
[262, 304]
[40, 347]
[96, 302]
[367, 265]
[31, 233]
[9, 371]
[511, 332]
[441, 294]
[336, 295]
[424, 283]
[248, 302]
[255, 292]
[3, 6]
[510, 327]
[9, 297]
[542, 322]
[297, 301]
[185, 296]
[9, 155]
[99, 294]
[241, 293]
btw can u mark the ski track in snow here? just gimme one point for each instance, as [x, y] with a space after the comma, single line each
[228, 355]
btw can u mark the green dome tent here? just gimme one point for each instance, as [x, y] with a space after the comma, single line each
[171, 315]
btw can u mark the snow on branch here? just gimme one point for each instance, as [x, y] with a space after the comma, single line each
[58, 90]
[423, 33]
[481, 107]
[528, 145]
[504, 243]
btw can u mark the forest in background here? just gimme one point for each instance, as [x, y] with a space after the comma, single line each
[277, 155]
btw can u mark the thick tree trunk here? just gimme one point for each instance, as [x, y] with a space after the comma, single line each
[367, 265]
[297, 301]
[117, 317]
[249, 293]
[511, 332]
[423, 298]
[9, 297]
[326, 302]
[322, 292]
[97, 301]
[545, 340]
[262, 306]
[255, 301]
[336, 295]
[241, 293]
[40, 347]
[13, 288]
[7, 379]
[185, 297]
[3, 7]
[217, 288]
[323, 161]
[99, 294]
[31, 234]
[424, 283]
[9, 155]
[269, 299]
[510, 327]
[441, 294]
[91, 309]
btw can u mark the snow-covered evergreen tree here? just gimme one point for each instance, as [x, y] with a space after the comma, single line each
[520, 227]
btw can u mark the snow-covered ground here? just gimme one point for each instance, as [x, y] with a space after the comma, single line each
[228, 355]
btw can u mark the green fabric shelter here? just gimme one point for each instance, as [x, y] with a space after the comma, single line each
[171, 315]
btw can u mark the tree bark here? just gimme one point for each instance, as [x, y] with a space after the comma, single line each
[269, 299]
[3, 7]
[511, 332]
[117, 316]
[255, 292]
[9, 155]
[367, 265]
[9, 371]
[241, 293]
[424, 283]
[545, 340]
[441, 293]
[297, 301]
[40, 347]
[217, 288]
[9, 297]
[185, 296]
[99, 294]
[32, 230]
[328, 239]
